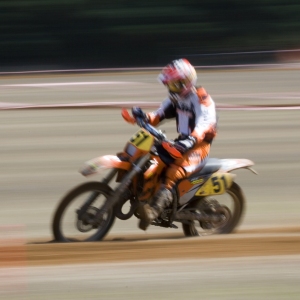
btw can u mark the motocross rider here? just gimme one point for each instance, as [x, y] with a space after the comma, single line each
[195, 114]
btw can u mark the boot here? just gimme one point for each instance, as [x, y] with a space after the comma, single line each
[148, 213]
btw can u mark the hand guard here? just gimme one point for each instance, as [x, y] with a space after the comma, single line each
[184, 145]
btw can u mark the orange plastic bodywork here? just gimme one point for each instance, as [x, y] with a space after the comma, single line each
[151, 179]
[172, 150]
[184, 186]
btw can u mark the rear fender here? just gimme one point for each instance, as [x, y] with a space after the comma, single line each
[228, 165]
[99, 164]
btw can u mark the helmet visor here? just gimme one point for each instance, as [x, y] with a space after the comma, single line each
[176, 86]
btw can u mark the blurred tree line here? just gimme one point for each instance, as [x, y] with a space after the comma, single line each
[121, 33]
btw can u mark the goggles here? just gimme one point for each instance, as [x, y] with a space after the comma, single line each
[176, 86]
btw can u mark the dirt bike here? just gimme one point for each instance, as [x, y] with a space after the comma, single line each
[207, 202]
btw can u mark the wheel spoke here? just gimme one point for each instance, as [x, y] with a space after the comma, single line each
[75, 218]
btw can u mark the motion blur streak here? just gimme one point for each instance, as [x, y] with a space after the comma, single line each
[67, 84]
[8, 106]
[42, 151]
[147, 69]
[273, 277]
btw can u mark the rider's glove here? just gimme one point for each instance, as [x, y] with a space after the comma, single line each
[184, 145]
[138, 113]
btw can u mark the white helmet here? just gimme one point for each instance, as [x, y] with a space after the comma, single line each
[179, 76]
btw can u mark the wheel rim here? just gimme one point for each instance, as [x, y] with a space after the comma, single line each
[74, 229]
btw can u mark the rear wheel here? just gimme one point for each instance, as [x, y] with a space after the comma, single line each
[229, 206]
[72, 223]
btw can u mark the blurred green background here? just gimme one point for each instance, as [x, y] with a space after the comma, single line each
[123, 33]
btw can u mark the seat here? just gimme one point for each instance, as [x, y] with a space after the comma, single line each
[212, 165]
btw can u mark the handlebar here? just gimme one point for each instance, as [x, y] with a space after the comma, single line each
[156, 133]
[160, 137]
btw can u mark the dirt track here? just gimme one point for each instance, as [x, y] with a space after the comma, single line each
[271, 241]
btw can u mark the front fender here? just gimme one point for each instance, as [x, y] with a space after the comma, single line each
[98, 164]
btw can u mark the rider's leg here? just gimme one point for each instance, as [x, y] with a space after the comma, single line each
[162, 199]
[192, 161]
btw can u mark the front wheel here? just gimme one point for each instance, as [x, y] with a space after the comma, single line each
[230, 207]
[74, 218]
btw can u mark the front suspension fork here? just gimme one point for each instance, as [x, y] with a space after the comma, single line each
[94, 195]
[123, 186]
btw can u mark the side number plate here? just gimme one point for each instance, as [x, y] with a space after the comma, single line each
[217, 184]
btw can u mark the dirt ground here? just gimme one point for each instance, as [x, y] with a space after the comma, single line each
[266, 242]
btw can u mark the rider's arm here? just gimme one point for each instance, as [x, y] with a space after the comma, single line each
[205, 127]
[165, 111]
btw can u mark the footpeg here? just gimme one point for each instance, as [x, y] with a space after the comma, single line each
[164, 224]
